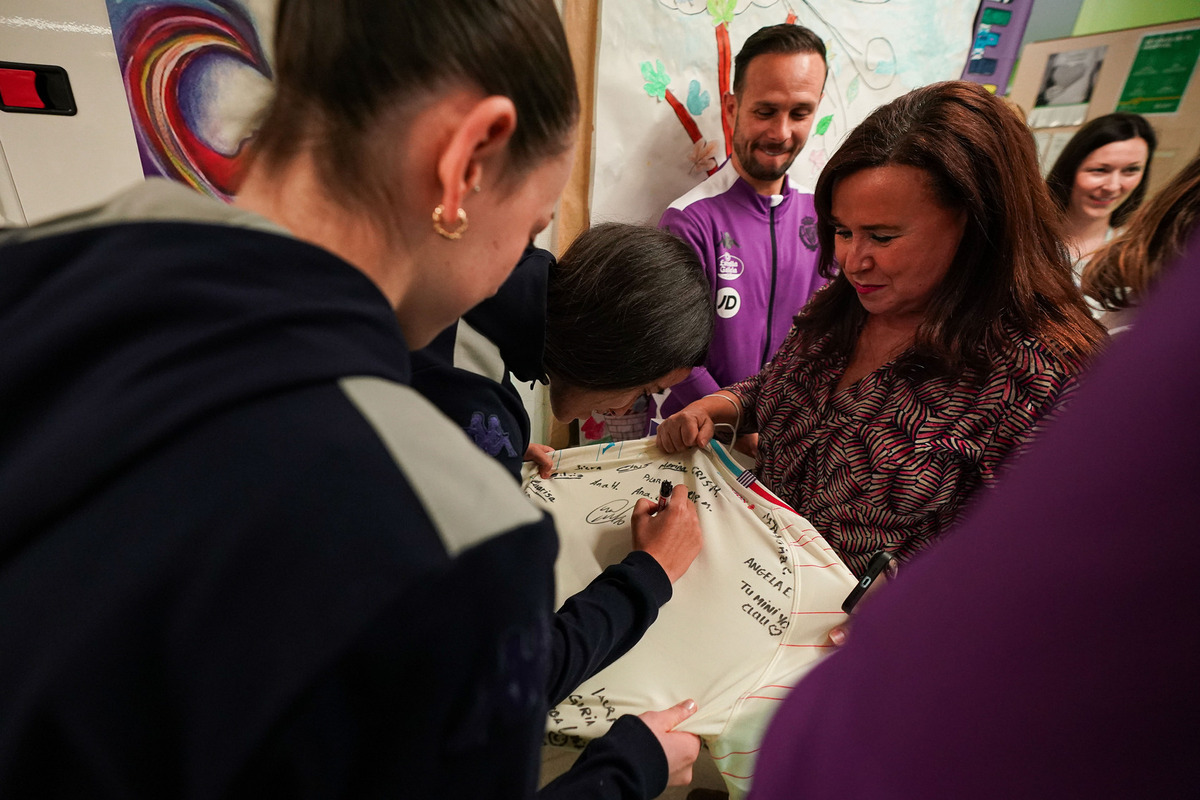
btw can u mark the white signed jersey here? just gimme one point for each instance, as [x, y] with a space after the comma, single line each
[749, 618]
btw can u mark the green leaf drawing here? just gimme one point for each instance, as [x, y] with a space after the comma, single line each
[823, 124]
[656, 79]
[721, 11]
[852, 90]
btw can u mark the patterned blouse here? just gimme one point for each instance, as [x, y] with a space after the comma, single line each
[889, 462]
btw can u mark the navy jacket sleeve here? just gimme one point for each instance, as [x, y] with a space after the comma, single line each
[627, 762]
[601, 623]
[490, 413]
[593, 629]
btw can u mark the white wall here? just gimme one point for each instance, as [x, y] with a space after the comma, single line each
[50, 164]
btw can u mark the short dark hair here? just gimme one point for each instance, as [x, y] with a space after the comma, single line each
[1010, 269]
[783, 38]
[1121, 272]
[626, 305]
[340, 65]
[1103, 130]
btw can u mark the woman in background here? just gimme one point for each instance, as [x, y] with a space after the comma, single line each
[949, 329]
[1099, 180]
[1121, 273]
[625, 312]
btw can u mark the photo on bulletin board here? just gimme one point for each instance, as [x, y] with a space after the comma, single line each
[1070, 77]
[196, 75]
[1067, 86]
[1160, 73]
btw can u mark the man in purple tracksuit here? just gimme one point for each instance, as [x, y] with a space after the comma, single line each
[755, 234]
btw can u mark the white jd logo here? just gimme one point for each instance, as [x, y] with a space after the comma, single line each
[729, 302]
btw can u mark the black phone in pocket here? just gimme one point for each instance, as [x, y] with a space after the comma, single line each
[879, 563]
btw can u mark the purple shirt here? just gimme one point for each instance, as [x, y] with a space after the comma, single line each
[760, 255]
[1051, 646]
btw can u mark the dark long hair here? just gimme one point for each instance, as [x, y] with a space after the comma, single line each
[1124, 269]
[340, 65]
[1010, 271]
[1095, 134]
[626, 305]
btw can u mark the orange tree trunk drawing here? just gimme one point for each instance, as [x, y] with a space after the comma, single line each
[724, 70]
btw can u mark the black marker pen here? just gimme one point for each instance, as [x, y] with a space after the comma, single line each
[664, 495]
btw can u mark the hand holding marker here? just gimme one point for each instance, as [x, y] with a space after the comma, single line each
[668, 531]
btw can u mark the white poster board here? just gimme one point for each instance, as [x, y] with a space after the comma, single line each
[644, 156]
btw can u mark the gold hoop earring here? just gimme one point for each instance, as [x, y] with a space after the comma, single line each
[457, 232]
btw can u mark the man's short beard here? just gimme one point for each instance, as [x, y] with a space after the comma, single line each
[755, 169]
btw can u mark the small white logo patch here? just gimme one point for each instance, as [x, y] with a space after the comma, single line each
[729, 302]
[729, 267]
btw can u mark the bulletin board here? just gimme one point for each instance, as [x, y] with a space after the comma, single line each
[1093, 78]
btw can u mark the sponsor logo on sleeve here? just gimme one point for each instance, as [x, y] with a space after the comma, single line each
[729, 302]
[729, 266]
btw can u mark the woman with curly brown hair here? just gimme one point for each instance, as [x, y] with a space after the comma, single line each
[950, 327]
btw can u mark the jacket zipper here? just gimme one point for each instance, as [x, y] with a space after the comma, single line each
[771, 298]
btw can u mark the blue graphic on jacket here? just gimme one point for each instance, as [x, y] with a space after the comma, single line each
[493, 439]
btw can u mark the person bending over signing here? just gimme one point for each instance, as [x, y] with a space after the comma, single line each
[625, 312]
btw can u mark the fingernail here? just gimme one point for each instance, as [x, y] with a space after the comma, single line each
[837, 636]
[690, 706]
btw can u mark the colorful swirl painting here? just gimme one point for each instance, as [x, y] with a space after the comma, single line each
[195, 73]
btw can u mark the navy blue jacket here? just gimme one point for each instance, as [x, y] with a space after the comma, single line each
[468, 370]
[234, 560]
